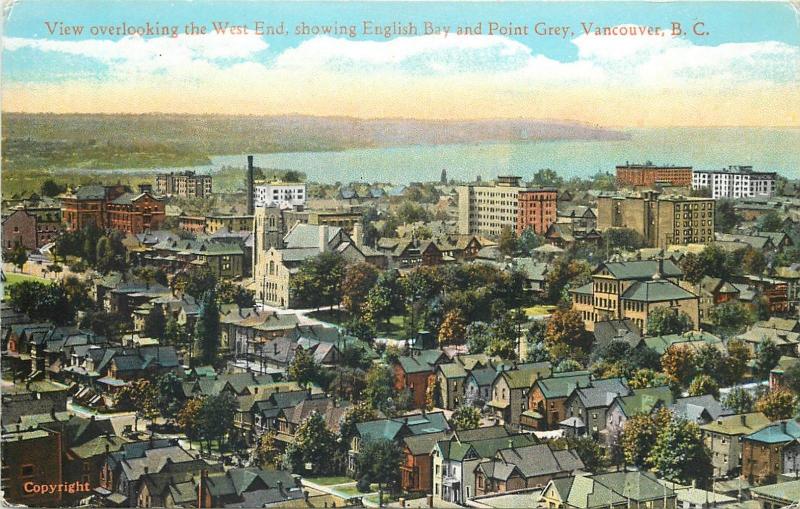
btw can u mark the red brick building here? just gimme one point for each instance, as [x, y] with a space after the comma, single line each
[134, 214]
[537, 209]
[87, 206]
[31, 228]
[648, 174]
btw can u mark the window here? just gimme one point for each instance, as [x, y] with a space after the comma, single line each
[27, 470]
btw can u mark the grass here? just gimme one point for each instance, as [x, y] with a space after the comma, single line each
[13, 279]
[393, 330]
[386, 498]
[330, 481]
[539, 310]
[348, 492]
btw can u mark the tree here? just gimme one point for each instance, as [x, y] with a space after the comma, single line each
[267, 454]
[478, 337]
[703, 384]
[709, 361]
[625, 239]
[379, 462]
[693, 269]
[640, 435]
[680, 455]
[169, 395]
[216, 416]
[155, 323]
[362, 329]
[753, 261]
[565, 334]
[380, 387]
[777, 404]
[726, 216]
[141, 396]
[303, 369]
[188, 419]
[453, 328]
[565, 273]
[55, 269]
[231, 293]
[678, 364]
[665, 320]
[358, 279]
[546, 177]
[206, 328]
[18, 256]
[360, 412]
[42, 302]
[770, 222]
[110, 253]
[791, 377]
[466, 417]
[385, 299]
[730, 318]
[313, 448]
[195, 281]
[589, 451]
[50, 188]
[767, 357]
[739, 400]
[735, 363]
[528, 241]
[644, 378]
[507, 243]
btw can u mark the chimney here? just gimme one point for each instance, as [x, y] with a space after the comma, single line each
[743, 418]
[323, 238]
[146, 470]
[358, 235]
[783, 427]
[250, 176]
[510, 443]
[280, 487]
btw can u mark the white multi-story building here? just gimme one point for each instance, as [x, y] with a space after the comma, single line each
[735, 182]
[279, 193]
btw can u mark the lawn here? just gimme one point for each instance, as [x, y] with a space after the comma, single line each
[392, 330]
[330, 481]
[348, 492]
[14, 279]
[539, 310]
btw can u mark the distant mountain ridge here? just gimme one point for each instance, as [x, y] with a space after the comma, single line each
[222, 134]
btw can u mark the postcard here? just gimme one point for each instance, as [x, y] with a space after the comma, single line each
[400, 254]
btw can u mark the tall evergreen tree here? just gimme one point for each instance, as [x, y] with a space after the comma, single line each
[155, 323]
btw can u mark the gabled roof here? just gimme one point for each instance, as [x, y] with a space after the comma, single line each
[699, 408]
[307, 236]
[659, 290]
[421, 361]
[739, 424]
[483, 376]
[602, 392]
[777, 433]
[423, 444]
[561, 385]
[525, 374]
[645, 401]
[641, 270]
[530, 461]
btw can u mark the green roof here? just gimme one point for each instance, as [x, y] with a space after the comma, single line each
[777, 433]
[97, 446]
[645, 401]
[659, 290]
[453, 370]
[423, 360]
[561, 385]
[638, 486]
[785, 491]
[584, 493]
[526, 374]
[641, 269]
[661, 343]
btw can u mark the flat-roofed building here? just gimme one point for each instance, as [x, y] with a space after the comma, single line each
[735, 182]
[649, 174]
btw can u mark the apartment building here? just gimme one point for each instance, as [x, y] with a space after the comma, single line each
[186, 184]
[279, 193]
[723, 438]
[633, 290]
[486, 210]
[735, 182]
[649, 174]
[661, 220]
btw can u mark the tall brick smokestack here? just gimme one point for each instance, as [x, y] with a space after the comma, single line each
[251, 209]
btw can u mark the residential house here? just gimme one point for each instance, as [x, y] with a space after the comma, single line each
[478, 385]
[775, 496]
[547, 398]
[633, 490]
[246, 487]
[699, 409]
[451, 379]
[510, 390]
[417, 466]
[723, 437]
[455, 459]
[763, 458]
[414, 371]
[31, 228]
[290, 418]
[776, 375]
[515, 468]
[643, 401]
[590, 405]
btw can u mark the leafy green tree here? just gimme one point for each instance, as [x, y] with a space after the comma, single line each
[42, 302]
[169, 395]
[703, 384]
[140, 396]
[188, 420]
[196, 281]
[739, 400]
[362, 329]
[379, 462]
[716, 262]
[507, 243]
[770, 222]
[267, 454]
[303, 369]
[385, 299]
[110, 253]
[380, 387]
[767, 357]
[791, 378]
[625, 239]
[478, 337]
[360, 412]
[565, 273]
[546, 177]
[730, 318]
[678, 364]
[18, 256]
[640, 434]
[466, 417]
[777, 404]
[693, 269]
[680, 455]
[206, 328]
[319, 281]
[313, 448]
[665, 320]
[528, 241]
[51, 189]
[753, 261]
[709, 361]
[735, 363]
[216, 416]
[645, 377]
[231, 293]
[155, 323]
[590, 452]
[726, 217]
[103, 323]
